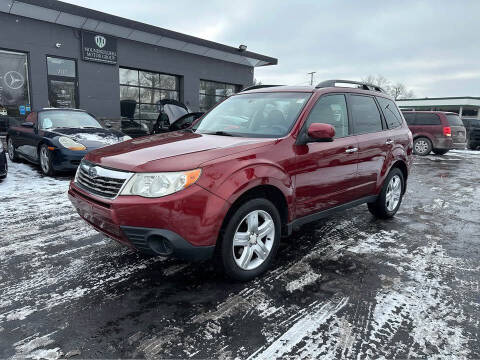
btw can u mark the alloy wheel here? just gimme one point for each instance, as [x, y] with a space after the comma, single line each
[421, 146]
[11, 150]
[44, 160]
[394, 192]
[253, 240]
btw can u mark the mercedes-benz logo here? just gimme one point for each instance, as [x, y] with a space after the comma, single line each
[14, 80]
[92, 172]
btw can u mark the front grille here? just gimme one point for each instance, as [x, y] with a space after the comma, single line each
[100, 181]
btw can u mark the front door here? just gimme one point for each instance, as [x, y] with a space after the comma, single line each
[62, 83]
[326, 171]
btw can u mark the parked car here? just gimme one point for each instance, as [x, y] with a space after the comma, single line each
[58, 139]
[472, 127]
[3, 162]
[257, 165]
[173, 115]
[435, 131]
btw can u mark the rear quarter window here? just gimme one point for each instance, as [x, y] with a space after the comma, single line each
[427, 119]
[454, 120]
[409, 118]
[391, 113]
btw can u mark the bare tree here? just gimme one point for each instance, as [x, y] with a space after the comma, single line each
[397, 90]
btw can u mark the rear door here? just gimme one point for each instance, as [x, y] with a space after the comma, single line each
[375, 141]
[325, 172]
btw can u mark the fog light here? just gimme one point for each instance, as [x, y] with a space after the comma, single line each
[160, 245]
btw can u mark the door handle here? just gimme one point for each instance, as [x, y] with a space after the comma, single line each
[389, 142]
[351, 150]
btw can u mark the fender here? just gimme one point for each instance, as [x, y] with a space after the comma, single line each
[232, 183]
[398, 154]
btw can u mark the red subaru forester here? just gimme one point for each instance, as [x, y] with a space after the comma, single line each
[257, 165]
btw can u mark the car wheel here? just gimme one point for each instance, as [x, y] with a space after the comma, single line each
[250, 240]
[440, 152]
[46, 160]
[422, 146]
[390, 198]
[12, 153]
[472, 146]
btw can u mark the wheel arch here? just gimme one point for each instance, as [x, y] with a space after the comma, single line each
[400, 164]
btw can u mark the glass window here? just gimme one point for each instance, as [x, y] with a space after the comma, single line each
[146, 89]
[366, 118]
[212, 92]
[391, 113]
[331, 109]
[427, 119]
[254, 115]
[66, 119]
[454, 120]
[14, 90]
[409, 118]
[61, 67]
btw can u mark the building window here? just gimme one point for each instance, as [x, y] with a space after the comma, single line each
[143, 90]
[211, 92]
[14, 89]
[62, 82]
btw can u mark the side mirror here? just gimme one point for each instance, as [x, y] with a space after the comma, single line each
[27, 124]
[321, 132]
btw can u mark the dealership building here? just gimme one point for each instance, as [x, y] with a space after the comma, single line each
[54, 54]
[467, 106]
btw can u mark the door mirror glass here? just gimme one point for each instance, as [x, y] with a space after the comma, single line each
[27, 124]
[321, 132]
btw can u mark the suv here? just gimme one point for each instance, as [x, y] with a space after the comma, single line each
[257, 165]
[472, 126]
[435, 131]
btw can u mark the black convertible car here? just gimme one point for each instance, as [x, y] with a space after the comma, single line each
[3, 162]
[58, 139]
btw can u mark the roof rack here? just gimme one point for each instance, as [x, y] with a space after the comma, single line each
[361, 85]
[253, 87]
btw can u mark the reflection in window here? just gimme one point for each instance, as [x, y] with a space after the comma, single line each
[212, 92]
[146, 88]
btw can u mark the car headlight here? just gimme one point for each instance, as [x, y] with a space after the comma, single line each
[71, 144]
[160, 184]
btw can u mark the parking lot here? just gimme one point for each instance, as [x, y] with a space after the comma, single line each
[348, 286]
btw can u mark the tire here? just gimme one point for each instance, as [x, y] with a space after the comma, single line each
[440, 152]
[12, 153]
[472, 146]
[383, 208]
[230, 257]
[422, 146]
[45, 159]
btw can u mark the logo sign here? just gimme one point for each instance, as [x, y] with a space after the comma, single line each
[21, 109]
[100, 41]
[14, 80]
[92, 172]
[99, 48]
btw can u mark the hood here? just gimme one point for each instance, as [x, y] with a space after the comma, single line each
[92, 138]
[172, 151]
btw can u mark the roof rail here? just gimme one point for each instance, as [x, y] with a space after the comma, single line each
[361, 85]
[253, 87]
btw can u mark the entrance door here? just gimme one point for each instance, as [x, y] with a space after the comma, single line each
[62, 83]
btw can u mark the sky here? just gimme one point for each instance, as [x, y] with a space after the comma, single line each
[430, 46]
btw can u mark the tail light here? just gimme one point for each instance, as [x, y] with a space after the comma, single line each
[447, 131]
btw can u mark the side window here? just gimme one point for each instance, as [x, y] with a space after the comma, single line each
[427, 119]
[331, 109]
[410, 118]
[366, 118]
[391, 113]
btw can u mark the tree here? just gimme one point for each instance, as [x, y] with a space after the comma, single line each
[397, 90]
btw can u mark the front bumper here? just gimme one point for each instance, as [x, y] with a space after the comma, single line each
[189, 220]
[67, 160]
[3, 164]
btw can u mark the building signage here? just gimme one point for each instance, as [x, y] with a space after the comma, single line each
[13, 79]
[99, 48]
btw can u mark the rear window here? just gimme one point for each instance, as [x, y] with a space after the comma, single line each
[454, 120]
[409, 118]
[427, 119]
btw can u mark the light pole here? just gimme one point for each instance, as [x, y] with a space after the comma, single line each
[311, 76]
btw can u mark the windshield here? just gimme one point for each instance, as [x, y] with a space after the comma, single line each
[254, 115]
[66, 119]
[454, 120]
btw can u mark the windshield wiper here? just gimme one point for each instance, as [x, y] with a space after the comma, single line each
[221, 133]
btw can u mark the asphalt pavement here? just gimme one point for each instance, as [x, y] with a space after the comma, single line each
[349, 286]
